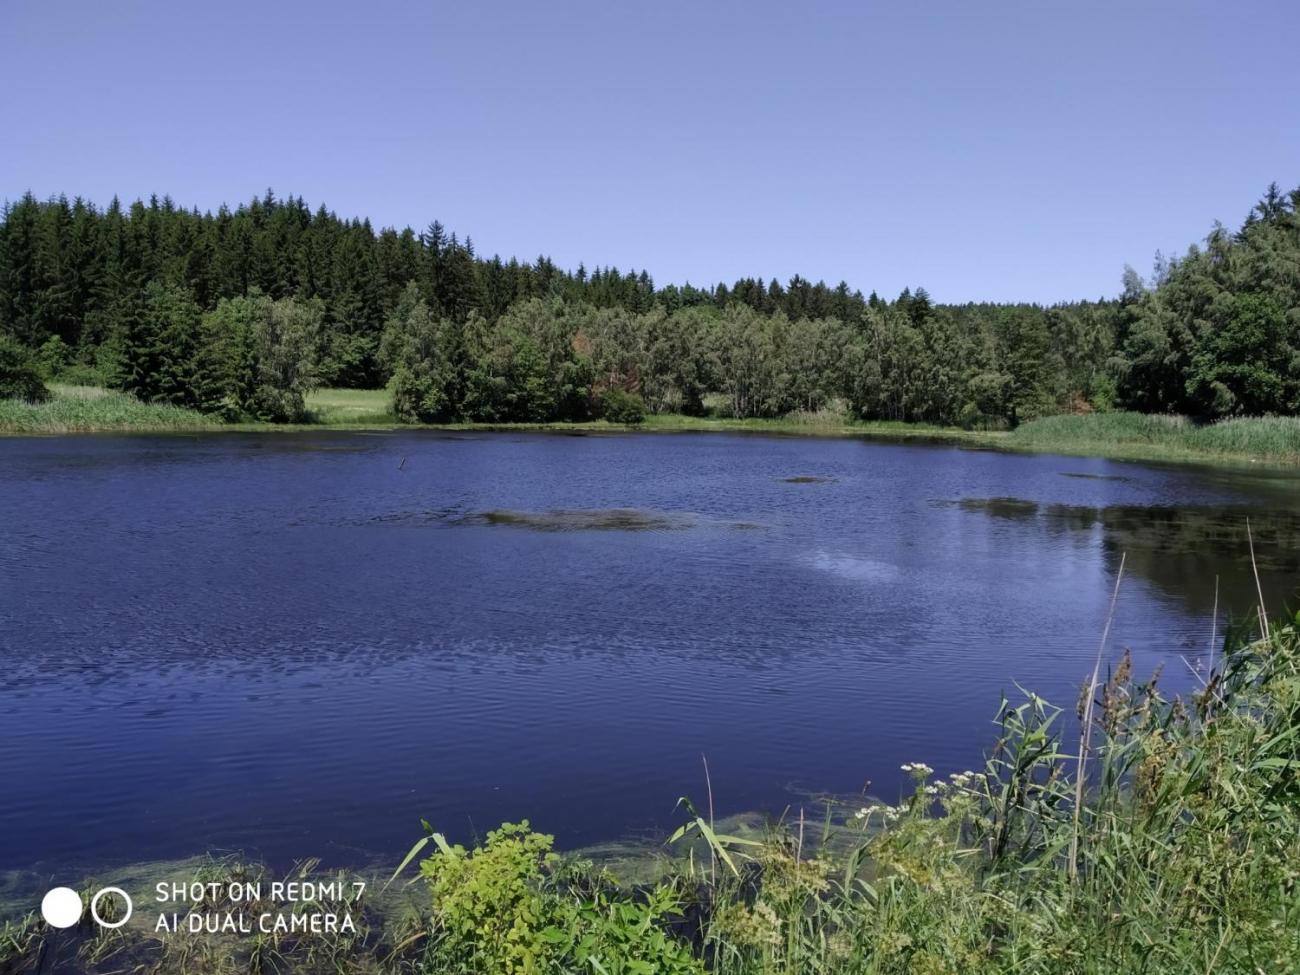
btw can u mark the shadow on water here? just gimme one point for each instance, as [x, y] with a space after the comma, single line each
[1188, 551]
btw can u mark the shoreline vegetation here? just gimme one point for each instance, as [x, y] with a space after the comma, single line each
[1273, 441]
[245, 315]
[1162, 839]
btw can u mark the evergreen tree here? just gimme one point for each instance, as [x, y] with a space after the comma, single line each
[159, 343]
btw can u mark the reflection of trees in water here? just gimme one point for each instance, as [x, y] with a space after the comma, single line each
[1182, 548]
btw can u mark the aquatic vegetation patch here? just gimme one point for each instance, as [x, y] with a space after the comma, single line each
[584, 519]
[427, 516]
[1001, 507]
[1083, 475]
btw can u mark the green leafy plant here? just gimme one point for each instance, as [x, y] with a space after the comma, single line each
[620, 406]
[489, 907]
[20, 373]
[507, 906]
[612, 934]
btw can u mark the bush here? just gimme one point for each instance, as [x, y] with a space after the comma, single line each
[619, 406]
[500, 908]
[20, 373]
[54, 356]
[490, 910]
[83, 374]
[419, 395]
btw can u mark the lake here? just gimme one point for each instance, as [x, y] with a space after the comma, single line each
[300, 644]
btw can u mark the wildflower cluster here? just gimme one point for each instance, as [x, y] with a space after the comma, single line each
[887, 812]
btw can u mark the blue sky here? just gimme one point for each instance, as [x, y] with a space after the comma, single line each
[984, 150]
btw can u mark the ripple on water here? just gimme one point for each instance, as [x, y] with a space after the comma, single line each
[853, 567]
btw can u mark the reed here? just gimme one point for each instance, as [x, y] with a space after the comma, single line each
[84, 409]
[1138, 435]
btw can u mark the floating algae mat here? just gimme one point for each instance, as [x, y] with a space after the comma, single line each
[598, 519]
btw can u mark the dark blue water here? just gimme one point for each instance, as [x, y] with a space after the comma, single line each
[300, 645]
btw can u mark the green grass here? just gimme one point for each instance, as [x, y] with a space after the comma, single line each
[1270, 436]
[821, 424]
[81, 409]
[1137, 436]
[341, 407]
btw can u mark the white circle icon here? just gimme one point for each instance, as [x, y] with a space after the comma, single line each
[94, 907]
[61, 907]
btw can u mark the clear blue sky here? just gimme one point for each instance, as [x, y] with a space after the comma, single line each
[985, 150]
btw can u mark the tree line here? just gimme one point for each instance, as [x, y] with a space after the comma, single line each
[240, 312]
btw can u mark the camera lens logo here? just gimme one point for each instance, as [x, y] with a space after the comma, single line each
[61, 907]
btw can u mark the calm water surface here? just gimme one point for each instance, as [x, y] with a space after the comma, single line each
[299, 645]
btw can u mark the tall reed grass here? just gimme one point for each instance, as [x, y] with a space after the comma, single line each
[1265, 437]
[77, 409]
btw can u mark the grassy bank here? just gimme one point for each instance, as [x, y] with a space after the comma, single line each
[1138, 436]
[84, 409]
[1179, 855]
[92, 409]
[1122, 436]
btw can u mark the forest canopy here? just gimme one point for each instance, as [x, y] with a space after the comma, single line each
[241, 312]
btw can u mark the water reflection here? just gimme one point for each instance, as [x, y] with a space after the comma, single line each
[1195, 553]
